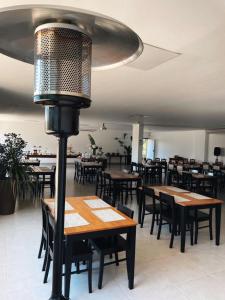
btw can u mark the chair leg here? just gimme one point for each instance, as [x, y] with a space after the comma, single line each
[45, 260]
[47, 269]
[210, 226]
[90, 274]
[116, 258]
[191, 233]
[101, 269]
[142, 217]
[159, 229]
[172, 235]
[41, 247]
[152, 225]
[196, 232]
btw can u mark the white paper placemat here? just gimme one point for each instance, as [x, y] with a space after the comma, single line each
[108, 215]
[74, 220]
[198, 196]
[175, 189]
[180, 199]
[96, 203]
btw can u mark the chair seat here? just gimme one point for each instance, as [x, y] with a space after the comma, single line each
[201, 216]
[110, 244]
[150, 208]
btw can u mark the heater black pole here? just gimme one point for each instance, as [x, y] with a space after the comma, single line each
[59, 226]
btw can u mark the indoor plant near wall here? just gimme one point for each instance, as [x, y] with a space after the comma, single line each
[13, 175]
[93, 145]
[125, 143]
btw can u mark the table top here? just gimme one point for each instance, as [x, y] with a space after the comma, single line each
[42, 170]
[95, 223]
[200, 175]
[89, 163]
[50, 155]
[186, 195]
[30, 162]
[120, 175]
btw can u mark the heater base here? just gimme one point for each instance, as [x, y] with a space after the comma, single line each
[63, 100]
[58, 298]
[62, 120]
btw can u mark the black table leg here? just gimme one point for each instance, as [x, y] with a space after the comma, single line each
[183, 214]
[68, 259]
[218, 222]
[131, 241]
[140, 197]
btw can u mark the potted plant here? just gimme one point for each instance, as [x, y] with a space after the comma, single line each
[125, 143]
[13, 175]
[93, 145]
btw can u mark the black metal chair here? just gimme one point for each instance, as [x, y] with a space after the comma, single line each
[44, 236]
[109, 200]
[169, 213]
[200, 217]
[111, 245]
[81, 252]
[48, 181]
[150, 208]
[100, 184]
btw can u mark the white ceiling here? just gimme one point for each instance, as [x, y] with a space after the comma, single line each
[187, 91]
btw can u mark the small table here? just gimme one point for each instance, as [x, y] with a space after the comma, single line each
[193, 203]
[30, 162]
[96, 228]
[118, 177]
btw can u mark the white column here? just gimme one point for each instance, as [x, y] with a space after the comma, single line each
[137, 142]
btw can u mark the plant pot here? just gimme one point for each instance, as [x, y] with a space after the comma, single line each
[7, 199]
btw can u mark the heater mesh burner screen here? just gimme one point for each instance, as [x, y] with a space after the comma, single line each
[62, 63]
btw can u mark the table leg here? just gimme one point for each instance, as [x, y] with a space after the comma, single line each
[218, 222]
[183, 214]
[68, 260]
[140, 197]
[131, 242]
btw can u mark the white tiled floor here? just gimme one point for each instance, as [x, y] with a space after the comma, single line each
[161, 273]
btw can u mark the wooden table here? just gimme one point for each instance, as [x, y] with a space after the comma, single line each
[49, 155]
[30, 162]
[36, 170]
[201, 178]
[97, 228]
[117, 177]
[193, 203]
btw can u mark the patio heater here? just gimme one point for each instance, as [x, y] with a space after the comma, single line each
[64, 44]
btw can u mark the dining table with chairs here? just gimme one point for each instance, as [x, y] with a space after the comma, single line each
[93, 220]
[185, 201]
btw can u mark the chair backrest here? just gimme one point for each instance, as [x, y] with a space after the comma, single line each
[125, 210]
[44, 209]
[148, 191]
[171, 167]
[109, 200]
[157, 159]
[205, 166]
[180, 169]
[216, 167]
[149, 161]
[192, 161]
[50, 231]
[167, 206]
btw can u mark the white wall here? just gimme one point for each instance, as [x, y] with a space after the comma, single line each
[189, 144]
[34, 134]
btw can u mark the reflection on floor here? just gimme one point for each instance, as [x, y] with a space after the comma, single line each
[161, 273]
